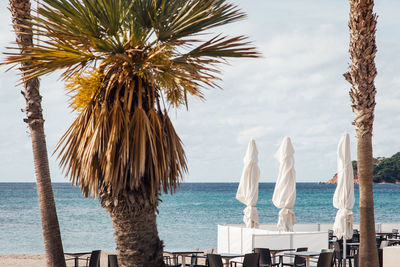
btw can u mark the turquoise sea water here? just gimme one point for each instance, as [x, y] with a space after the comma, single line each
[187, 220]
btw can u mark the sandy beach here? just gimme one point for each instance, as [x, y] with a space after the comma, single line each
[37, 260]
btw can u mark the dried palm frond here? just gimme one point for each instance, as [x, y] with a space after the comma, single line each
[121, 60]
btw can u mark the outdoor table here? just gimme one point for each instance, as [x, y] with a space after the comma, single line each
[383, 234]
[305, 254]
[355, 244]
[76, 256]
[276, 251]
[184, 253]
[228, 256]
[393, 240]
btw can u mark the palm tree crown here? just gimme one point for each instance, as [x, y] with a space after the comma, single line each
[125, 63]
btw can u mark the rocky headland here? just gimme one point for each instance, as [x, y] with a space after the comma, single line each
[386, 171]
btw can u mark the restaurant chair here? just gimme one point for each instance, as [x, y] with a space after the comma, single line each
[330, 238]
[395, 233]
[194, 261]
[325, 259]
[94, 259]
[338, 254]
[356, 236]
[331, 235]
[265, 257]
[112, 261]
[171, 261]
[298, 260]
[214, 260]
[250, 260]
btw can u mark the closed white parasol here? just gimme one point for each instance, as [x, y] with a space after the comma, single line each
[285, 188]
[343, 199]
[247, 192]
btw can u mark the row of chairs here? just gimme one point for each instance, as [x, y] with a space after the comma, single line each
[257, 260]
[194, 261]
[94, 259]
[260, 258]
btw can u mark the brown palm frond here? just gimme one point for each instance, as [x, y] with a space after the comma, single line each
[120, 59]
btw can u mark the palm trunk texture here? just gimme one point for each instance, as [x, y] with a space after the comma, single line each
[136, 236]
[20, 10]
[362, 24]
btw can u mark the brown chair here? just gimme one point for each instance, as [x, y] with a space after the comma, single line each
[93, 260]
[250, 260]
[298, 261]
[171, 262]
[194, 261]
[214, 260]
[112, 261]
[265, 257]
[395, 233]
[325, 259]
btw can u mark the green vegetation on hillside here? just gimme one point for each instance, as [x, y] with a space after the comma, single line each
[386, 170]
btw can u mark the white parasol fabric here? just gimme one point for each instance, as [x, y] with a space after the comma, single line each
[247, 192]
[343, 199]
[284, 195]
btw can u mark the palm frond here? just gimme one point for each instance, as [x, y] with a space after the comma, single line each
[120, 60]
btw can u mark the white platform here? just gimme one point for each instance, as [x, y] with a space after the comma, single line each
[239, 239]
[391, 256]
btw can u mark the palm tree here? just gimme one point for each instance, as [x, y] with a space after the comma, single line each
[125, 64]
[361, 76]
[20, 10]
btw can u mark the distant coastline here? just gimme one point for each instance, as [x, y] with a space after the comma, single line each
[334, 181]
[386, 171]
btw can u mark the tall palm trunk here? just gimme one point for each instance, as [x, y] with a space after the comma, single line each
[362, 73]
[135, 232]
[20, 10]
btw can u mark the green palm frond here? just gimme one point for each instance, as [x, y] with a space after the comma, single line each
[122, 60]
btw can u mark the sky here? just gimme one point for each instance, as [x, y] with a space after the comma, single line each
[296, 89]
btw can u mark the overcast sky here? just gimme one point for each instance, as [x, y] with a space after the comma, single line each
[296, 89]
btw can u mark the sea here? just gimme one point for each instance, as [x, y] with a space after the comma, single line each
[187, 219]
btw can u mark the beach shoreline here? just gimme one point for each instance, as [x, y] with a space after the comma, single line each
[38, 260]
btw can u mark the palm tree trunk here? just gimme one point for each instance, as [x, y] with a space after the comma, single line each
[20, 10]
[362, 24]
[368, 253]
[136, 236]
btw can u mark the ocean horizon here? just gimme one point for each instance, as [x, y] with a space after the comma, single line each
[186, 220]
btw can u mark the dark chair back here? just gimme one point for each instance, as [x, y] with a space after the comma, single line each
[330, 234]
[198, 261]
[265, 256]
[112, 261]
[356, 236]
[214, 260]
[337, 251]
[325, 259]
[193, 260]
[95, 258]
[300, 261]
[251, 260]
